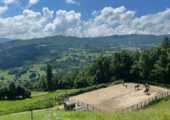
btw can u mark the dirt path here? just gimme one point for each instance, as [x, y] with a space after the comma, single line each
[39, 94]
[117, 96]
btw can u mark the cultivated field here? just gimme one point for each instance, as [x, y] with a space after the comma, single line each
[118, 96]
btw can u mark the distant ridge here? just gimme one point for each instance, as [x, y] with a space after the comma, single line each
[2, 40]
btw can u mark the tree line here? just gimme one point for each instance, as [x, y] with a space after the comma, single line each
[13, 91]
[149, 65]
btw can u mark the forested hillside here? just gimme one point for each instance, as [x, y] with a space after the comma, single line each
[27, 59]
[150, 65]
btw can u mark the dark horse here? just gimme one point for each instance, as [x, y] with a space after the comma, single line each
[146, 91]
[137, 86]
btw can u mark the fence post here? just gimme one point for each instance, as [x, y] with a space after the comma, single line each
[31, 113]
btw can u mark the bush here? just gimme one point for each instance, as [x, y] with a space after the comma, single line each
[14, 92]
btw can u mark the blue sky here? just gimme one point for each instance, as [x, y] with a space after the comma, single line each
[86, 7]
[83, 18]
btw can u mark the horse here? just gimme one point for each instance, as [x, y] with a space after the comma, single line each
[146, 91]
[147, 86]
[137, 86]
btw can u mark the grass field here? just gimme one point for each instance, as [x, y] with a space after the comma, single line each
[37, 102]
[160, 111]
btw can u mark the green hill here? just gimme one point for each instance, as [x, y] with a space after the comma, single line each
[26, 59]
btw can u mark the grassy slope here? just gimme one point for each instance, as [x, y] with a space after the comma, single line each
[38, 102]
[160, 111]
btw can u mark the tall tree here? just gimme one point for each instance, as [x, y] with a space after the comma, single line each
[49, 74]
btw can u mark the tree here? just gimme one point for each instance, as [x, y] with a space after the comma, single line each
[41, 84]
[166, 43]
[121, 65]
[161, 71]
[27, 84]
[100, 70]
[12, 91]
[3, 93]
[81, 81]
[49, 74]
[55, 80]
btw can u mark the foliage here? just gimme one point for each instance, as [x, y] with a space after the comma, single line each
[49, 74]
[14, 92]
[100, 70]
[121, 64]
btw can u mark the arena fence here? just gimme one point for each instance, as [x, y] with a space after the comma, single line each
[88, 106]
[147, 101]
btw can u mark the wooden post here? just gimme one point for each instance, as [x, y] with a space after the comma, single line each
[31, 113]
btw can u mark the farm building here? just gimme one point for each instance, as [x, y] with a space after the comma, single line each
[69, 105]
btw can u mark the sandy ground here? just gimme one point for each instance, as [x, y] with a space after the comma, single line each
[117, 97]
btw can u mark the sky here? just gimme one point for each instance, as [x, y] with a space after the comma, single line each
[27, 19]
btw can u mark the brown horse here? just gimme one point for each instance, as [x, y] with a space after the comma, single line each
[137, 86]
[146, 91]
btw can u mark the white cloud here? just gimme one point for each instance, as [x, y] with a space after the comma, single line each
[33, 2]
[25, 26]
[72, 2]
[3, 9]
[111, 21]
[8, 1]
[47, 13]
[108, 21]
[65, 23]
